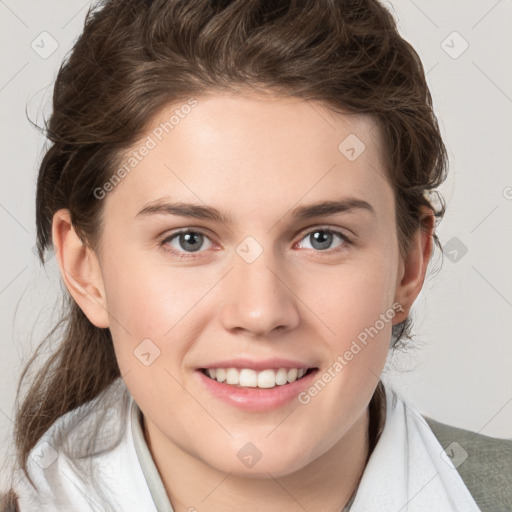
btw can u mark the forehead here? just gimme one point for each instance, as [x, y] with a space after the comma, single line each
[253, 154]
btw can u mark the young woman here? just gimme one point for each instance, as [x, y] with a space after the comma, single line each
[240, 199]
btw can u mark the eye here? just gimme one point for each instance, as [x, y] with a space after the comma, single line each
[186, 241]
[321, 239]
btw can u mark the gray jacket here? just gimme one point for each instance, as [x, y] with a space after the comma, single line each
[487, 470]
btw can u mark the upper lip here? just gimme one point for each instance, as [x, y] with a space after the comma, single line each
[264, 364]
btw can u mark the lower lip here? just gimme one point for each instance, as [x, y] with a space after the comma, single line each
[257, 399]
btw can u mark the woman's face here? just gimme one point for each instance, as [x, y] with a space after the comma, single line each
[272, 287]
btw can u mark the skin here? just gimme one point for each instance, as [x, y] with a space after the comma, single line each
[256, 158]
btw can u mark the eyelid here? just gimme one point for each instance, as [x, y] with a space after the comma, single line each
[189, 229]
[349, 235]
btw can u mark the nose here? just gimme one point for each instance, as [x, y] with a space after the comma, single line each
[259, 298]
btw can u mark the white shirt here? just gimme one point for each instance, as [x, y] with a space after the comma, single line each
[407, 470]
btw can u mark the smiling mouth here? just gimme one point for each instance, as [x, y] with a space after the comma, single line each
[248, 378]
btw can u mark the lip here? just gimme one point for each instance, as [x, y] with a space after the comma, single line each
[265, 364]
[256, 399]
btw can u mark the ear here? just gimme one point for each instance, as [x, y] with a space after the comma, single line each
[80, 270]
[413, 268]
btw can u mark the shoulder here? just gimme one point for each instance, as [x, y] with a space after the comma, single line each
[75, 446]
[483, 462]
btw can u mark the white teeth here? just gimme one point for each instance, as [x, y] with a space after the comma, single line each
[281, 376]
[292, 374]
[232, 376]
[266, 379]
[248, 378]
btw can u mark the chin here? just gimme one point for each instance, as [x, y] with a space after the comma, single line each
[250, 462]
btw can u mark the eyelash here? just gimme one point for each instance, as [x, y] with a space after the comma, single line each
[327, 253]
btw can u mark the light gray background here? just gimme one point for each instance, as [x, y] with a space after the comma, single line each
[460, 371]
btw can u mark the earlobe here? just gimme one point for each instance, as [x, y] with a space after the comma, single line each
[80, 270]
[413, 268]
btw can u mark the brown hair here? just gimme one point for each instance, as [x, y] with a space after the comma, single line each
[137, 56]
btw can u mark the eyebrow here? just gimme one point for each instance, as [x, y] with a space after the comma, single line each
[322, 208]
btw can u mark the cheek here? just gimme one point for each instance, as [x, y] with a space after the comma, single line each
[358, 309]
[167, 306]
[142, 302]
[352, 296]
